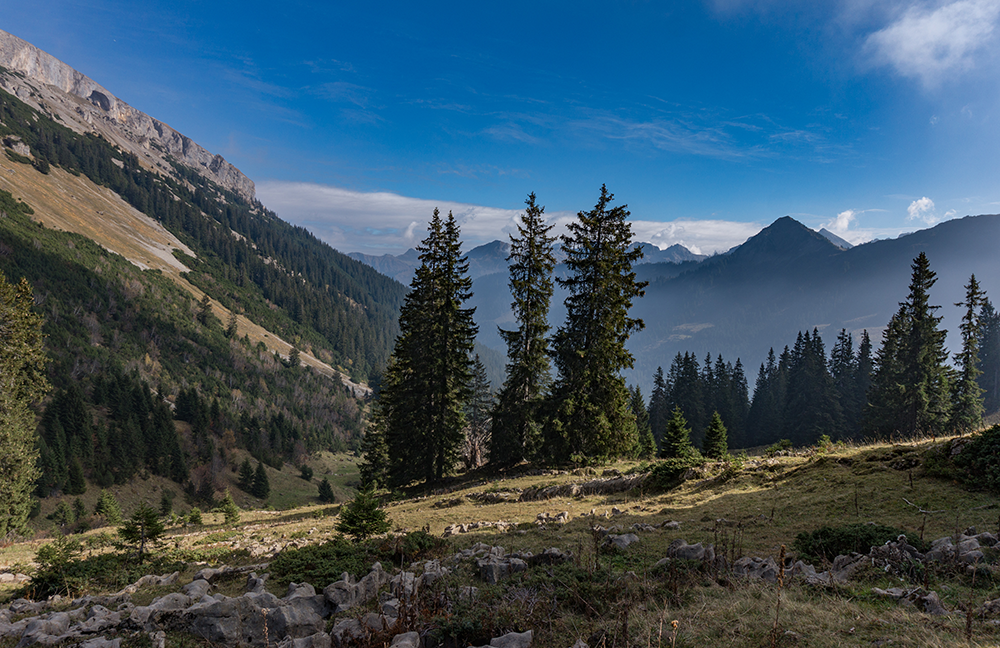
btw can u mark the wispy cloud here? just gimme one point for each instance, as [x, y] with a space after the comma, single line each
[932, 43]
[378, 222]
[388, 223]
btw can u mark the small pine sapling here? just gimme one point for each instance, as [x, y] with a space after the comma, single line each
[716, 440]
[362, 518]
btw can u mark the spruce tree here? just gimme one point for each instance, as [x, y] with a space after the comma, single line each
[362, 517]
[374, 467]
[967, 396]
[716, 440]
[261, 485]
[478, 411]
[811, 406]
[645, 447]
[230, 511]
[677, 437]
[76, 485]
[245, 481]
[22, 384]
[659, 410]
[142, 531]
[516, 425]
[590, 403]
[325, 491]
[426, 385]
[910, 391]
[231, 328]
[108, 508]
[989, 356]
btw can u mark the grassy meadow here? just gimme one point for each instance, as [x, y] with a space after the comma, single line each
[621, 598]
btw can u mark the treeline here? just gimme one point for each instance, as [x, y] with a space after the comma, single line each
[801, 394]
[248, 259]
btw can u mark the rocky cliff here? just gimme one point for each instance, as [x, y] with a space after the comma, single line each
[48, 84]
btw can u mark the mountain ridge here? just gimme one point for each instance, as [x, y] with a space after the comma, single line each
[86, 106]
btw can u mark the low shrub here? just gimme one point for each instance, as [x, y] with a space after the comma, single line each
[669, 473]
[320, 565]
[826, 543]
[979, 460]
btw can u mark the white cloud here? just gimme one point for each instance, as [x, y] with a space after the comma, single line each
[925, 211]
[387, 223]
[922, 209]
[842, 222]
[931, 44]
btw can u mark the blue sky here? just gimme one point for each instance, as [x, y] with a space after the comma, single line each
[710, 119]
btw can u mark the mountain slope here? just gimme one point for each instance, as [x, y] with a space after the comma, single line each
[48, 84]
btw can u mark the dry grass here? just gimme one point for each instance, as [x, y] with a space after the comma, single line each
[764, 506]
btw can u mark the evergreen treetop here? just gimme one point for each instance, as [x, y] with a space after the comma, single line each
[426, 385]
[516, 428]
[590, 403]
[911, 386]
[967, 397]
[716, 443]
[676, 442]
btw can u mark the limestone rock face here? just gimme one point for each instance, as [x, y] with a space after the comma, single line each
[84, 105]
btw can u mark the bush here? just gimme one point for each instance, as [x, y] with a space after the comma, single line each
[669, 473]
[778, 446]
[827, 543]
[320, 565]
[979, 460]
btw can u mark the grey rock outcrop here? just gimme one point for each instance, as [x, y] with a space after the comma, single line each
[86, 106]
[345, 593]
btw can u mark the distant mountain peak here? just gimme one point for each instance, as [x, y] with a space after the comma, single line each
[783, 240]
[676, 253]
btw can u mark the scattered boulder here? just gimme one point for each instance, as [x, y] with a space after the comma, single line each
[345, 594]
[918, 597]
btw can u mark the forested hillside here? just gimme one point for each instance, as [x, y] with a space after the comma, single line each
[281, 276]
[145, 378]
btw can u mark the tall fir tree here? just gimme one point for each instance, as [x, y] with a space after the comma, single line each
[811, 406]
[659, 410]
[261, 484]
[22, 384]
[478, 412]
[645, 447]
[911, 387]
[864, 366]
[426, 385]
[516, 424]
[967, 395]
[989, 356]
[590, 414]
